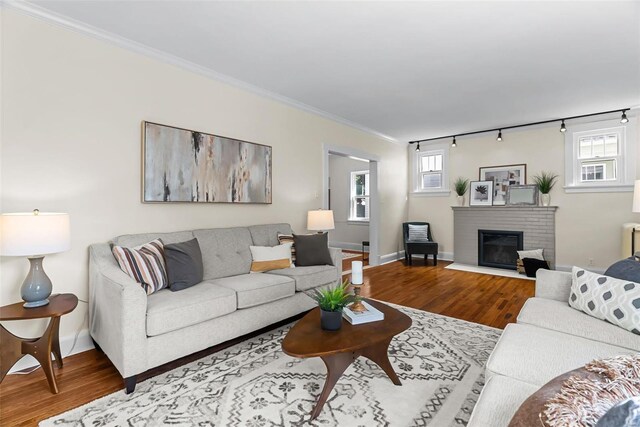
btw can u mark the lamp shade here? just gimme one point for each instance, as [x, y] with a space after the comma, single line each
[34, 233]
[636, 197]
[320, 220]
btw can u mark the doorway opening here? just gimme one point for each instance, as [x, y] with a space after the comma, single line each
[350, 190]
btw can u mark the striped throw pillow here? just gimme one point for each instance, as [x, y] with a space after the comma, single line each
[145, 264]
[288, 238]
[267, 258]
[418, 232]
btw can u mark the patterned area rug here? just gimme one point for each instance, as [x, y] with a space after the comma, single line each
[439, 360]
[349, 255]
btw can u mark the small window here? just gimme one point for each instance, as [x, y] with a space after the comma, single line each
[598, 157]
[431, 170]
[359, 196]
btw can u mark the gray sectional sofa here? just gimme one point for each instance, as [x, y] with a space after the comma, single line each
[138, 332]
[549, 339]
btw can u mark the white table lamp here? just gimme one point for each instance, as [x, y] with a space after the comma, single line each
[320, 220]
[34, 234]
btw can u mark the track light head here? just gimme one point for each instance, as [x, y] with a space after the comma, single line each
[418, 147]
[563, 128]
[624, 118]
[499, 138]
[453, 144]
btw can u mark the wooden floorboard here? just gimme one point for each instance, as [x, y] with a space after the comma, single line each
[491, 300]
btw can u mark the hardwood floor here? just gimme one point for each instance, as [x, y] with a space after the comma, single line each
[491, 300]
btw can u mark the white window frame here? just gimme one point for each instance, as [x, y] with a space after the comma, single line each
[625, 160]
[429, 149]
[353, 196]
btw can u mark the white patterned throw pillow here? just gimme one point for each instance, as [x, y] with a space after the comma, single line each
[418, 232]
[614, 300]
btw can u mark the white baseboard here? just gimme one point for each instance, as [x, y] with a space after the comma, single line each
[347, 245]
[84, 343]
[596, 270]
[394, 256]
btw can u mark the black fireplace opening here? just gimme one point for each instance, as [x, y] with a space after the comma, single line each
[498, 249]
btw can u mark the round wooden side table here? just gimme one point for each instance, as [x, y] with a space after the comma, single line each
[14, 347]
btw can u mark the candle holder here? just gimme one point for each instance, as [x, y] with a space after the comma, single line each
[357, 306]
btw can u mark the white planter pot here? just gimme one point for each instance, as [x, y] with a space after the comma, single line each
[460, 200]
[545, 199]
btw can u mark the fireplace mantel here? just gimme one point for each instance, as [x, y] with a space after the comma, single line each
[536, 222]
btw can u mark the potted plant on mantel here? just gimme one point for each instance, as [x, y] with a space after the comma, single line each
[331, 302]
[460, 186]
[545, 182]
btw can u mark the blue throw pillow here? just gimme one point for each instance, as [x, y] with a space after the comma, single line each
[626, 269]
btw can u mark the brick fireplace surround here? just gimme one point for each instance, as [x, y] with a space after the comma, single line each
[538, 224]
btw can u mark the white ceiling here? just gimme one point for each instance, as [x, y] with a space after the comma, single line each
[407, 70]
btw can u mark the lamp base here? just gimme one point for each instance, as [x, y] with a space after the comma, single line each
[36, 287]
[35, 304]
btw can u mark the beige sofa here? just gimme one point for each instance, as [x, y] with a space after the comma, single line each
[549, 339]
[138, 332]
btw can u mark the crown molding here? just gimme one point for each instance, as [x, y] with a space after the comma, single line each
[140, 48]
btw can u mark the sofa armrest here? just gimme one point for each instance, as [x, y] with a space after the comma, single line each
[555, 285]
[336, 257]
[117, 312]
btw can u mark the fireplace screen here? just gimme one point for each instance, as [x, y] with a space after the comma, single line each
[498, 248]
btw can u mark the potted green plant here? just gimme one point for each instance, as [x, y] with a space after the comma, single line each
[331, 302]
[545, 182]
[460, 186]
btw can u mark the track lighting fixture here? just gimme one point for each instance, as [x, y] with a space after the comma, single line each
[563, 128]
[624, 118]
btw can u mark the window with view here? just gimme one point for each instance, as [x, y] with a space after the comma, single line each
[431, 171]
[359, 196]
[598, 157]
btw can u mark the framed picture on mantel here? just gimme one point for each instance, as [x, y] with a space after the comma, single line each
[502, 177]
[480, 193]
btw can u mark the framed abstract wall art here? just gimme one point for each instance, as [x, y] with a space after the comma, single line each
[480, 193]
[181, 165]
[502, 177]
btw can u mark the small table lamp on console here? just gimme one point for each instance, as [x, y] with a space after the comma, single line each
[320, 220]
[34, 234]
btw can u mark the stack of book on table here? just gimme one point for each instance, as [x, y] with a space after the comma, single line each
[357, 318]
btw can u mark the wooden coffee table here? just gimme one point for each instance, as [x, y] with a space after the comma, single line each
[339, 349]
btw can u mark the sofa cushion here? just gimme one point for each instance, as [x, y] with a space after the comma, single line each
[169, 311]
[559, 316]
[607, 298]
[184, 264]
[309, 277]
[537, 355]
[225, 251]
[267, 235]
[499, 401]
[129, 240]
[312, 249]
[144, 264]
[258, 288]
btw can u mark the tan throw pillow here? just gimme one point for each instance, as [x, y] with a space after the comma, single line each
[267, 258]
[145, 264]
[288, 238]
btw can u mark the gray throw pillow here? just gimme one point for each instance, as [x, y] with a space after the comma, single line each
[626, 269]
[312, 249]
[184, 264]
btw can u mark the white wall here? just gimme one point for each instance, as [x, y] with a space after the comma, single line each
[348, 235]
[71, 141]
[588, 225]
